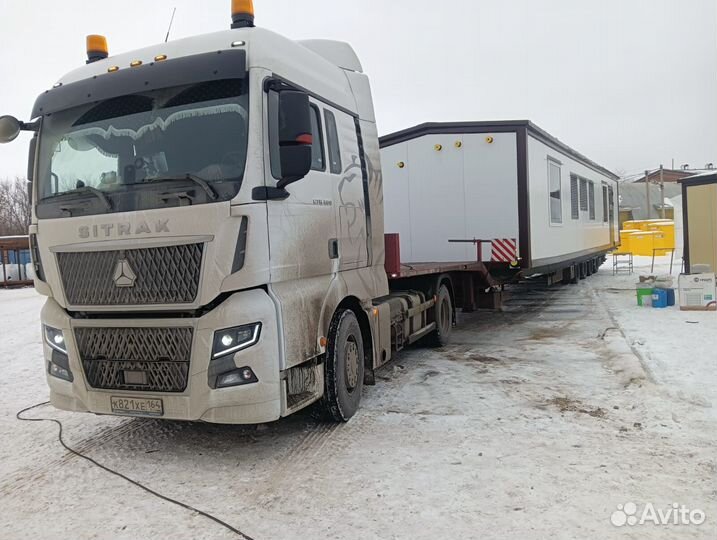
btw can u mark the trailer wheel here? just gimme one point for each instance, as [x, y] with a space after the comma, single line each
[344, 367]
[444, 319]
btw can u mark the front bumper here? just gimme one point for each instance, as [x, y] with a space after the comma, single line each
[262, 401]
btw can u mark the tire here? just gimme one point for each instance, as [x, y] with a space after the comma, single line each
[343, 368]
[443, 319]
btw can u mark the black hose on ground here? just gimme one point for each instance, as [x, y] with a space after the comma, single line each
[186, 506]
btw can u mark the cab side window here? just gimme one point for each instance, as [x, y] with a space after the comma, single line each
[318, 162]
[332, 138]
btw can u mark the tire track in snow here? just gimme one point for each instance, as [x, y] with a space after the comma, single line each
[309, 454]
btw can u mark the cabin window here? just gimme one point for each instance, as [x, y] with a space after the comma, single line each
[591, 200]
[574, 198]
[556, 202]
[332, 139]
[317, 148]
[604, 203]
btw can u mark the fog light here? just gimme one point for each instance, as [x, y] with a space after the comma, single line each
[60, 372]
[237, 377]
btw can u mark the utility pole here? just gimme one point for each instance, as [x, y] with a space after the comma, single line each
[662, 192]
[647, 193]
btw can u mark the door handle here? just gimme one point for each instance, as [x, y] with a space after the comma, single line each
[333, 248]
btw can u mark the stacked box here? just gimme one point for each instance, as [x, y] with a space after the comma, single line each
[697, 292]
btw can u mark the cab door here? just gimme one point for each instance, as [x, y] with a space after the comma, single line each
[344, 164]
[303, 248]
[302, 227]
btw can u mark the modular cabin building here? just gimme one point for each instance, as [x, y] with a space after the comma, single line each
[505, 193]
[699, 214]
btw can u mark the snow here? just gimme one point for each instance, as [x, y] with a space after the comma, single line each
[535, 422]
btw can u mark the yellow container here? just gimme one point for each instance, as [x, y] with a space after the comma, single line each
[632, 225]
[643, 242]
[665, 237]
[625, 241]
[665, 242]
[640, 237]
[645, 224]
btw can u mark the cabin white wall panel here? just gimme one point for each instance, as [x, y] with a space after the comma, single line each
[549, 240]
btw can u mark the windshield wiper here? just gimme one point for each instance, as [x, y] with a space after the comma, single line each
[201, 182]
[85, 190]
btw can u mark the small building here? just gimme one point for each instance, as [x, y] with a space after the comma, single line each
[669, 176]
[699, 208]
[15, 263]
[635, 206]
[665, 184]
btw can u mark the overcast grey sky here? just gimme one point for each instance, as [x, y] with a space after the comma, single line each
[629, 83]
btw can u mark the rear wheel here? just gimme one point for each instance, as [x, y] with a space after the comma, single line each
[443, 319]
[344, 367]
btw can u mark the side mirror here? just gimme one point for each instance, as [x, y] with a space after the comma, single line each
[10, 128]
[295, 136]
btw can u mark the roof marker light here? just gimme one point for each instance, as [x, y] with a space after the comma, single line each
[135, 63]
[242, 13]
[160, 58]
[96, 48]
[112, 69]
[238, 43]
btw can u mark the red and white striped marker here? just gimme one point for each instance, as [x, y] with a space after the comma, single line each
[504, 250]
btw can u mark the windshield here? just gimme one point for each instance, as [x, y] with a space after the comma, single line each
[133, 147]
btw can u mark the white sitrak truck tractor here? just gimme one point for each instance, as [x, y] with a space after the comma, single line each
[208, 228]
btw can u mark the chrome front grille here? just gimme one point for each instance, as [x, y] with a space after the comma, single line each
[161, 275]
[159, 356]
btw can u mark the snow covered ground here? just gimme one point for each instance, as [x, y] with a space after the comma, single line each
[536, 422]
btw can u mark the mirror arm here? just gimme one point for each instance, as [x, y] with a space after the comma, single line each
[281, 184]
[30, 126]
[268, 193]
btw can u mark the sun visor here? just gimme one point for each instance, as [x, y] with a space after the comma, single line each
[224, 64]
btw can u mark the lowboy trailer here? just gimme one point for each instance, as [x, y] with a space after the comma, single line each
[208, 228]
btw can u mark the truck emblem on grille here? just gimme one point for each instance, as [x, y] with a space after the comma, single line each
[124, 276]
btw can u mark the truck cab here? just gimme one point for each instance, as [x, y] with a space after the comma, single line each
[207, 227]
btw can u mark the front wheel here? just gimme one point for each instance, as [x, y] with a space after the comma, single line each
[344, 367]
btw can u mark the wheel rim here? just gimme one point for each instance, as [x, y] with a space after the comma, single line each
[351, 357]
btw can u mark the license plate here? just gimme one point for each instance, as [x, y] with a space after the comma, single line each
[137, 406]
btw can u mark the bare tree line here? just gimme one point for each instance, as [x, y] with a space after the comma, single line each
[14, 207]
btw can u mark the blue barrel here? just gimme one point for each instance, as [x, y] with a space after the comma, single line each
[659, 298]
[670, 297]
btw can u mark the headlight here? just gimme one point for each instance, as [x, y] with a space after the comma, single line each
[235, 339]
[55, 339]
